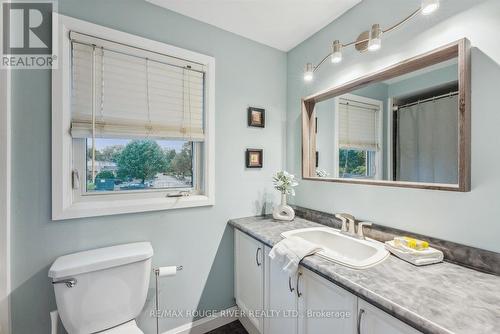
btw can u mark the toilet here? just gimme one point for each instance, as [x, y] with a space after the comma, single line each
[102, 290]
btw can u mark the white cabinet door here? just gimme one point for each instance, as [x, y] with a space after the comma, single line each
[280, 299]
[249, 277]
[375, 321]
[324, 307]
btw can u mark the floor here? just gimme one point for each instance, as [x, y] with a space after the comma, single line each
[234, 327]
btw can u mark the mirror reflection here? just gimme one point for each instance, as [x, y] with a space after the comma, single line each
[401, 129]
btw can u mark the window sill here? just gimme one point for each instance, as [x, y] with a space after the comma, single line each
[115, 206]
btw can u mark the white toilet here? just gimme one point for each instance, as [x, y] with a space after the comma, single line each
[102, 290]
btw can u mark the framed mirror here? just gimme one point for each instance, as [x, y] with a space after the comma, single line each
[406, 126]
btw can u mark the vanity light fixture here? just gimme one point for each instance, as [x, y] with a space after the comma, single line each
[375, 42]
[336, 52]
[309, 72]
[368, 40]
[429, 6]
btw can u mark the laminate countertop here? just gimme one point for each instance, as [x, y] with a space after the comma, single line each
[438, 298]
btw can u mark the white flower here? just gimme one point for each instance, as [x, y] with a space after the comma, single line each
[284, 182]
[321, 173]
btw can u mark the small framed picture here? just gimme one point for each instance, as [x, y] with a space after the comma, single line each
[254, 158]
[256, 117]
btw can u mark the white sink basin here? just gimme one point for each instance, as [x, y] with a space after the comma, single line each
[342, 249]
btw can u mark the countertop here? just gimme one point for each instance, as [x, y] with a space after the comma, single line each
[439, 298]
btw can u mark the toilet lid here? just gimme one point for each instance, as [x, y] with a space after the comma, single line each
[126, 328]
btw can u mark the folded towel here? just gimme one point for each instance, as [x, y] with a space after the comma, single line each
[290, 251]
[416, 257]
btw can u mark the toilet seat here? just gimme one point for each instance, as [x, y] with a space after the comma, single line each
[126, 328]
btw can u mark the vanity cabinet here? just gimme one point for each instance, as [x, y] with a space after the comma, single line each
[374, 321]
[323, 306]
[280, 299]
[274, 303]
[311, 305]
[249, 278]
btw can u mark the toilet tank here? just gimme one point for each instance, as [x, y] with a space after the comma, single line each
[111, 286]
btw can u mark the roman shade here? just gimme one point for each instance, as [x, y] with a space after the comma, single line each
[358, 125]
[119, 91]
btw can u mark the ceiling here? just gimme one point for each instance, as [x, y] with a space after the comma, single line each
[281, 24]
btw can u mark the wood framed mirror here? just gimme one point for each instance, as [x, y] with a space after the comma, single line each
[407, 125]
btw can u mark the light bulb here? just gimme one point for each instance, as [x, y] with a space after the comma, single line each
[308, 72]
[336, 58]
[336, 52]
[374, 45]
[429, 6]
[375, 41]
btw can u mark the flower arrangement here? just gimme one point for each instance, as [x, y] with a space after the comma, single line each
[321, 173]
[284, 182]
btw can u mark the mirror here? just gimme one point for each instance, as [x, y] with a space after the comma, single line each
[407, 126]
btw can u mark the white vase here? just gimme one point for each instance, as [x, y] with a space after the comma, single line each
[283, 211]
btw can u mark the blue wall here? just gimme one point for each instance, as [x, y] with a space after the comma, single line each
[467, 218]
[324, 113]
[416, 84]
[247, 73]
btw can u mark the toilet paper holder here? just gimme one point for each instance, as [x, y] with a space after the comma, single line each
[157, 271]
[162, 272]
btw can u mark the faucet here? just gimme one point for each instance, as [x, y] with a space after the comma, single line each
[361, 234]
[349, 225]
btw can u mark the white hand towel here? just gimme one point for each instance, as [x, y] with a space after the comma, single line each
[290, 251]
[416, 257]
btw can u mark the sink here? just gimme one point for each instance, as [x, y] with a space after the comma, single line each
[343, 249]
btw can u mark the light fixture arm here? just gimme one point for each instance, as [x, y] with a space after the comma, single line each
[403, 21]
[321, 62]
[384, 31]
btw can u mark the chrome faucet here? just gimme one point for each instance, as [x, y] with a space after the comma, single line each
[361, 234]
[349, 225]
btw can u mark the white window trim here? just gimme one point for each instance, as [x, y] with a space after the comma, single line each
[64, 204]
[5, 193]
[379, 160]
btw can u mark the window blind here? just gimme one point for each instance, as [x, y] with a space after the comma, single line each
[120, 91]
[358, 125]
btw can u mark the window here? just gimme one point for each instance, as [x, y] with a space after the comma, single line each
[359, 139]
[132, 124]
[357, 163]
[138, 164]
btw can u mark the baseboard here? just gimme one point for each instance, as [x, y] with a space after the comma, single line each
[207, 324]
[248, 325]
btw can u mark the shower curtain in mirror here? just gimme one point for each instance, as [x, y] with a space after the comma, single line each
[427, 142]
